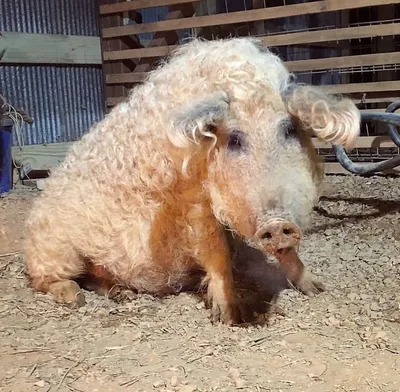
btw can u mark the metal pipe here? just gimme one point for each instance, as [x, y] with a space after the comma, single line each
[385, 117]
[364, 168]
[388, 117]
[392, 130]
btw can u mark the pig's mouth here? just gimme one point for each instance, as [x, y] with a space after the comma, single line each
[284, 251]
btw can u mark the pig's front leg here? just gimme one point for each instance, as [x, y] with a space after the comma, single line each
[215, 259]
[296, 272]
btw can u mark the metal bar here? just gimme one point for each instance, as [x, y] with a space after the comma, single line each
[364, 168]
[392, 130]
[385, 117]
[392, 120]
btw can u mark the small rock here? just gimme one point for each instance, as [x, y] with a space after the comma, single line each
[396, 260]
[102, 312]
[82, 310]
[137, 336]
[174, 381]
[159, 384]
[240, 383]
[382, 346]
[352, 296]
[187, 388]
[333, 321]
[374, 307]
[200, 305]
[329, 346]
[40, 184]
[40, 384]
[381, 335]
[302, 325]
[331, 308]
[234, 373]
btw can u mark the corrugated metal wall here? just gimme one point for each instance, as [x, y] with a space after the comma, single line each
[64, 100]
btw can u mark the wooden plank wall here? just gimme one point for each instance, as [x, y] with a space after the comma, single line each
[127, 60]
[24, 48]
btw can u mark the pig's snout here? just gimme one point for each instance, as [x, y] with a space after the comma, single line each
[278, 235]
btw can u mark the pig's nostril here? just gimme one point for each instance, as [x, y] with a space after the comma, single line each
[287, 231]
[266, 236]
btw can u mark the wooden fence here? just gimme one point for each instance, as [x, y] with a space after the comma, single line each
[351, 47]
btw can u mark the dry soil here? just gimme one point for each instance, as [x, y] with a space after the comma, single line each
[346, 339]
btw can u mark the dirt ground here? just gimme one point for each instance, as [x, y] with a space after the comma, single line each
[346, 339]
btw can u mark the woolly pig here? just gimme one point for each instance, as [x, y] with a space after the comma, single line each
[217, 138]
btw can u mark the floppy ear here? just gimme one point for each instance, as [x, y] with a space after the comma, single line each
[198, 120]
[331, 118]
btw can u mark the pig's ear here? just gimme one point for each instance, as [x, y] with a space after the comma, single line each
[198, 120]
[331, 118]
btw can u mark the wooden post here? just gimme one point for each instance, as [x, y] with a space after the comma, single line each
[127, 42]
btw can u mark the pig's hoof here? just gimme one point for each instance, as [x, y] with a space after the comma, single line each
[229, 315]
[68, 292]
[309, 285]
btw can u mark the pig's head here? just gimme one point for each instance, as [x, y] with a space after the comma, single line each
[255, 126]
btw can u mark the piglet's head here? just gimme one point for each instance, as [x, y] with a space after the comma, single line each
[260, 171]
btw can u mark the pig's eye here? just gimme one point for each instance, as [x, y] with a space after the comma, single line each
[235, 141]
[290, 130]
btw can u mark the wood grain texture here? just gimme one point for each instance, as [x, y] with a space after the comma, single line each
[24, 48]
[293, 66]
[307, 37]
[41, 157]
[364, 60]
[363, 87]
[244, 16]
[109, 9]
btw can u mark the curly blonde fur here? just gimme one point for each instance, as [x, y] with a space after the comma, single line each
[336, 120]
[145, 193]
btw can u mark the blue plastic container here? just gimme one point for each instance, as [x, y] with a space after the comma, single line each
[6, 127]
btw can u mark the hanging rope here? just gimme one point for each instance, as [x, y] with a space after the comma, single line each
[19, 118]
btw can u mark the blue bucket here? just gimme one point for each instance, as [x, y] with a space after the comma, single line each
[6, 127]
